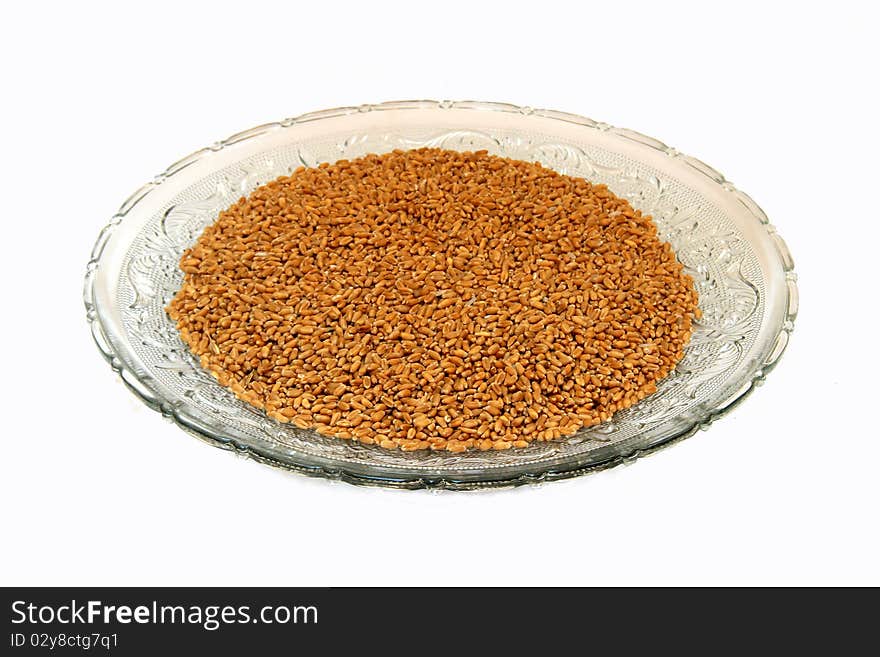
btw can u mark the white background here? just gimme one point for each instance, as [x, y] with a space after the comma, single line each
[97, 489]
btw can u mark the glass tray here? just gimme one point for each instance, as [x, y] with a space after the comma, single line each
[742, 269]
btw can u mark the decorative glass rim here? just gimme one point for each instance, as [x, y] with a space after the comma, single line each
[113, 346]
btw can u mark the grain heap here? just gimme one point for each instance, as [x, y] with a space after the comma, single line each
[432, 299]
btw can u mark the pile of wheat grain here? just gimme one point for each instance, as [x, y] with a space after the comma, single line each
[433, 299]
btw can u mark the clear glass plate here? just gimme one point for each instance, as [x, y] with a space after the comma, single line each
[742, 269]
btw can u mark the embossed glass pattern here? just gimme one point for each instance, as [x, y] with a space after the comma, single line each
[742, 269]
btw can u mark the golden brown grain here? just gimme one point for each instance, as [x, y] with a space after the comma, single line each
[431, 299]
